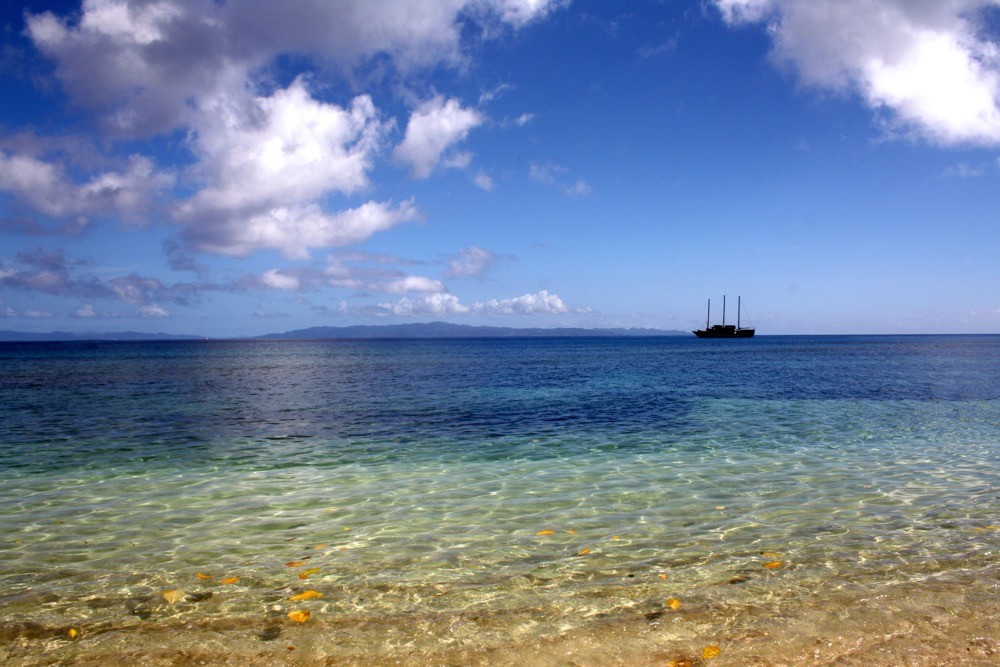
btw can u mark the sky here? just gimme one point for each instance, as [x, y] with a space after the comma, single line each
[233, 168]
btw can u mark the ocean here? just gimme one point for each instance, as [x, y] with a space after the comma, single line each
[773, 501]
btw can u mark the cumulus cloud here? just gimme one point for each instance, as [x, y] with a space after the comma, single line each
[116, 59]
[265, 167]
[433, 128]
[108, 55]
[429, 304]
[411, 284]
[153, 311]
[39, 183]
[471, 261]
[282, 149]
[45, 187]
[527, 304]
[928, 63]
[266, 162]
[294, 230]
[540, 303]
[276, 279]
[85, 311]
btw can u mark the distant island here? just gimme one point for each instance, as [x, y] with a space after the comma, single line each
[448, 330]
[363, 331]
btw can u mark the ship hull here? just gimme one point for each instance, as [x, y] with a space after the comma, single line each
[724, 332]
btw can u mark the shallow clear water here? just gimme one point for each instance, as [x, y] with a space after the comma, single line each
[805, 499]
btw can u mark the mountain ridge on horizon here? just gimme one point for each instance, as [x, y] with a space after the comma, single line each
[449, 330]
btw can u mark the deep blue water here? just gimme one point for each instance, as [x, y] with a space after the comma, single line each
[95, 404]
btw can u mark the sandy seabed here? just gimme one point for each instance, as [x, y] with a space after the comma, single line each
[918, 624]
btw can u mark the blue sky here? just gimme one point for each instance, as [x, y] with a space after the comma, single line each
[231, 168]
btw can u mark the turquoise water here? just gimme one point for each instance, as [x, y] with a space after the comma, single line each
[488, 501]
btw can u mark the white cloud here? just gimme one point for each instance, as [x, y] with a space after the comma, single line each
[433, 128]
[429, 304]
[528, 304]
[37, 314]
[85, 311]
[107, 57]
[266, 167]
[519, 12]
[737, 11]
[38, 183]
[579, 189]
[926, 62]
[275, 279]
[153, 310]
[471, 261]
[45, 187]
[460, 160]
[282, 149]
[266, 163]
[411, 284]
[541, 303]
[295, 230]
[128, 193]
[483, 181]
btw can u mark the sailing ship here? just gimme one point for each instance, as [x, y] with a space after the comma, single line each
[724, 330]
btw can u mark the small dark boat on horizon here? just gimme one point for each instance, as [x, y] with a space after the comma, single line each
[724, 330]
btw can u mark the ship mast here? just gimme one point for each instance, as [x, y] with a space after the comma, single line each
[708, 317]
[723, 310]
[738, 300]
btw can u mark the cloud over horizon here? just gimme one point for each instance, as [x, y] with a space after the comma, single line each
[448, 304]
